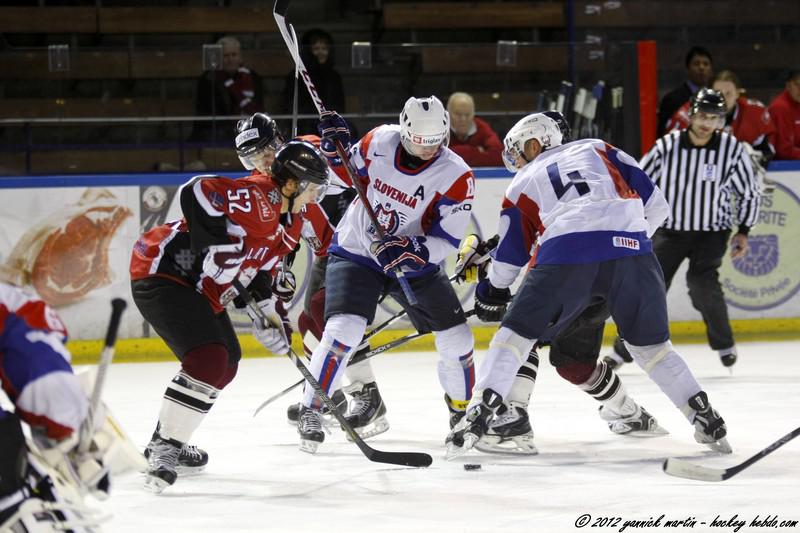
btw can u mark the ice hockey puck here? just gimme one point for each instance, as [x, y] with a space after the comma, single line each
[469, 466]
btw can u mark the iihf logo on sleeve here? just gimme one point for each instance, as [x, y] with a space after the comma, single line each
[767, 276]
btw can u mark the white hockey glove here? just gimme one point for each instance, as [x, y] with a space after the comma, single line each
[473, 258]
[222, 262]
[273, 339]
[284, 285]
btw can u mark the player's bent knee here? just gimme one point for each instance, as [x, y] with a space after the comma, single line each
[344, 329]
[507, 339]
[455, 342]
[648, 357]
[577, 373]
[207, 363]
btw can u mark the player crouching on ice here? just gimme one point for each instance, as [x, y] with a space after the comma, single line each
[422, 195]
[43, 481]
[594, 211]
[181, 274]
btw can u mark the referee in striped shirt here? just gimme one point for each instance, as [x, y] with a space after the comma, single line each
[700, 170]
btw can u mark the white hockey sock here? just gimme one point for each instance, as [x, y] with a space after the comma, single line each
[360, 372]
[506, 352]
[186, 403]
[522, 387]
[455, 367]
[342, 335]
[668, 370]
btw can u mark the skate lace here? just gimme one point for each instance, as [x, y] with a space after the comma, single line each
[361, 403]
[189, 451]
[310, 421]
[164, 453]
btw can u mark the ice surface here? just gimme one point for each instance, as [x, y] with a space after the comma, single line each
[258, 480]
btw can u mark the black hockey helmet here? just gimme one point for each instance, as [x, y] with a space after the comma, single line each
[708, 101]
[300, 160]
[566, 132]
[255, 134]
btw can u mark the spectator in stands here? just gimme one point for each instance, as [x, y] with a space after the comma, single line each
[234, 90]
[317, 52]
[471, 137]
[699, 71]
[785, 111]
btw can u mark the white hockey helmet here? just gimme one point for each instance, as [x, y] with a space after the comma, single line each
[424, 124]
[534, 126]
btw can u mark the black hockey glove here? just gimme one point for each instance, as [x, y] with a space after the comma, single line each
[490, 302]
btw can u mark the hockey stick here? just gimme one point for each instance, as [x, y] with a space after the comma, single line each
[685, 469]
[287, 31]
[358, 358]
[415, 459]
[118, 305]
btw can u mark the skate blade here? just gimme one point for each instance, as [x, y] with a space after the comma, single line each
[657, 431]
[454, 451]
[154, 484]
[309, 446]
[189, 470]
[376, 427]
[720, 446]
[520, 445]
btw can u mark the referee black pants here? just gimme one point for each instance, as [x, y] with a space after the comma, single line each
[704, 250]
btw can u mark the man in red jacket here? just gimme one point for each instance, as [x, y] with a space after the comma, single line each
[470, 137]
[785, 112]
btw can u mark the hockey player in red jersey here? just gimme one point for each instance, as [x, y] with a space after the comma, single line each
[181, 274]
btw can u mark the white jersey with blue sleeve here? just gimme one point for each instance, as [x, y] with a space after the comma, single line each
[586, 202]
[434, 200]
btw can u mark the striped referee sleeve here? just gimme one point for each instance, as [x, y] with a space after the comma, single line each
[748, 194]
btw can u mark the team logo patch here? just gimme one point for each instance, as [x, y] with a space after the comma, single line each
[625, 242]
[265, 212]
[709, 172]
[389, 219]
[216, 199]
[274, 196]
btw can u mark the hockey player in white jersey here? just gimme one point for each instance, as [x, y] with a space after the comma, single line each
[422, 195]
[593, 210]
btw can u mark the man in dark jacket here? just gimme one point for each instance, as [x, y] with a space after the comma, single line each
[699, 73]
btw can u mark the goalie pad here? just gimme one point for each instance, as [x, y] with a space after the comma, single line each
[110, 451]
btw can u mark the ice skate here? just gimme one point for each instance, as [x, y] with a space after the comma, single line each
[163, 458]
[310, 429]
[328, 420]
[728, 358]
[457, 409]
[509, 432]
[709, 426]
[367, 413]
[191, 460]
[631, 419]
[473, 426]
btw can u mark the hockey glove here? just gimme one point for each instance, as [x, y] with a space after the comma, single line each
[473, 258]
[284, 285]
[273, 339]
[222, 261]
[332, 127]
[393, 251]
[490, 302]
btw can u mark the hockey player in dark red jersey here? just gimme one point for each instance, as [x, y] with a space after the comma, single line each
[181, 274]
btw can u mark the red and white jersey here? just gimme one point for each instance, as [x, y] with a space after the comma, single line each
[434, 200]
[250, 207]
[586, 201]
[35, 366]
